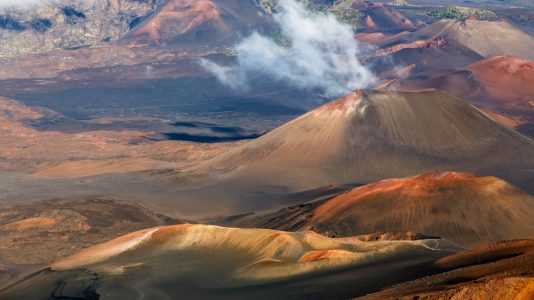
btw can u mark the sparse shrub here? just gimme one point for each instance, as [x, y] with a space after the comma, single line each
[449, 12]
[399, 3]
[281, 40]
[230, 52]
[454, 12]
[351, 17]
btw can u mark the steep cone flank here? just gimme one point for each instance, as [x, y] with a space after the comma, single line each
[376, 16]
[368, 136]
[379, 17]
[421, 55]
[486, 38]
[198, 23]
[208, 262]
[501, 270]
[459, 207]
[179, 17]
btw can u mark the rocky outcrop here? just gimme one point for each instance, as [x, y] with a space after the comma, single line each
[40, 232]
[419, 44]
[69, 24]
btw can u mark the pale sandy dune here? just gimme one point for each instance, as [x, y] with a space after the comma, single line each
[211, 262]
[260, 255]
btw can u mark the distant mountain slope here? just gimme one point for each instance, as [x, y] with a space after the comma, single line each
[420, 56]
[487, 38]
[373, 16]
[68, 24]
[459, 207]
[193, 23]
[445, 45]
[381, 18]
[72, 24]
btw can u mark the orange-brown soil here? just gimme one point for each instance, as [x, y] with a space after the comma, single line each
[179, 17]
[502, 86]
[508, 79]
[433, 43]
[41, 232]
[503, 270]
[460, 207]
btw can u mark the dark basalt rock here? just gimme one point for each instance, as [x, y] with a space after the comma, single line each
[10, 23]
[40, 25]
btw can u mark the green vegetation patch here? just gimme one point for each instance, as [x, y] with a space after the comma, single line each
[456, 12]
[351, 17]
[281, 40]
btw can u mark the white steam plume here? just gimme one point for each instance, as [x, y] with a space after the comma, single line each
[321, 53]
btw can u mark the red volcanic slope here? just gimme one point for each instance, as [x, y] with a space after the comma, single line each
[457, 206]
[434, 43]
[485, 38]
[503, 270]
[449, 44]
[187, 23]
[381, 18]
[369, 37]
[499, 84]
[506, 78]
[460, 207]
[186, 16]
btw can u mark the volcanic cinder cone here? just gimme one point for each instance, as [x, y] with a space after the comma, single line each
[487, 38]
[448, 44]
[506, 79]
[373, 135]
[377, 16]
[193, 23]
[460, 207]
[501, 84]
